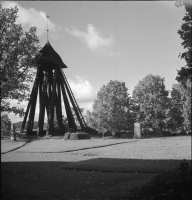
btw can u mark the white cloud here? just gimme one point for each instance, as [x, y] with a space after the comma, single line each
[95, 41]
[82, 89]
[31, 17]
[92, 38]
[86, 106]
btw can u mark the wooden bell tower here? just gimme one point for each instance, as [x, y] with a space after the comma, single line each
[51, 85]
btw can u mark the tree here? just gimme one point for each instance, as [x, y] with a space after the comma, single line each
[5, 125]
[17, 52]
[90, 119]
[184, 74]
[175, 119]
[186, 111]
[111, 109]
[185, 33]
[152, 98]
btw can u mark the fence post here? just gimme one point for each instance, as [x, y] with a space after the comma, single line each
[13, 135]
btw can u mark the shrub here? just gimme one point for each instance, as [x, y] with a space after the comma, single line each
[5, 125]
[106, 134]
[79, 136]
[148, 133]
[165, 133]
[127, 135]
[100, 134]
[67, 136]
[118, 133]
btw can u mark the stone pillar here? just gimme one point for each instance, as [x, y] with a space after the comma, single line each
[113, 132]
[13, 135]
[137, 130]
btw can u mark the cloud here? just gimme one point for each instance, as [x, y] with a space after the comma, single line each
[29, 17]
[92, 38]
[86, 106]
[82, 89]
[95, 41]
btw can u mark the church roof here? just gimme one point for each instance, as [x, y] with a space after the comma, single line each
[50, 57]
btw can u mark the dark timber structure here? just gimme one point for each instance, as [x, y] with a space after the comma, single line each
[51, 83]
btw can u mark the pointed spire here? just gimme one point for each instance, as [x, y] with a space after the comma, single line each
[47, 28]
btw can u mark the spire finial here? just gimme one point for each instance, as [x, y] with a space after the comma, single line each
[47, 28]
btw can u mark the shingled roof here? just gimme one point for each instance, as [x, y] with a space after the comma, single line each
[50, 57]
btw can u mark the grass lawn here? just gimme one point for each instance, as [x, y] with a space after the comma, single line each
[105, 169]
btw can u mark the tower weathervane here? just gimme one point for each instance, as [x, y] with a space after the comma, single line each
[47, 28]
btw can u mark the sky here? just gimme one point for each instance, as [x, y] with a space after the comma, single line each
[101, 41]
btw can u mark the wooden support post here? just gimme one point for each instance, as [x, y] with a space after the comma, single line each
[71, 121]
[40, 98]
[72, 101]
[50, 82]
[52, 103]
[33, 106]
[48, 97]
[47, 104]
[42, 107]
[26, 114]
[59, 106]
[29, 103]
[32, 114]
[56, 106]
[75, 105]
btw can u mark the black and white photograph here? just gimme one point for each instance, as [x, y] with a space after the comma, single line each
[96, 100]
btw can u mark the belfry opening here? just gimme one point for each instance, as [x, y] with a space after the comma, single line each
[51, 89]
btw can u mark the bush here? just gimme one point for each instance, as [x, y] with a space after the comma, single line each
[106, 134]
[79, 136]
[165, 133]
[127, 135]
[118, 133]
[5, 125]
[67, 136]
[99, 134]
[148, 134]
